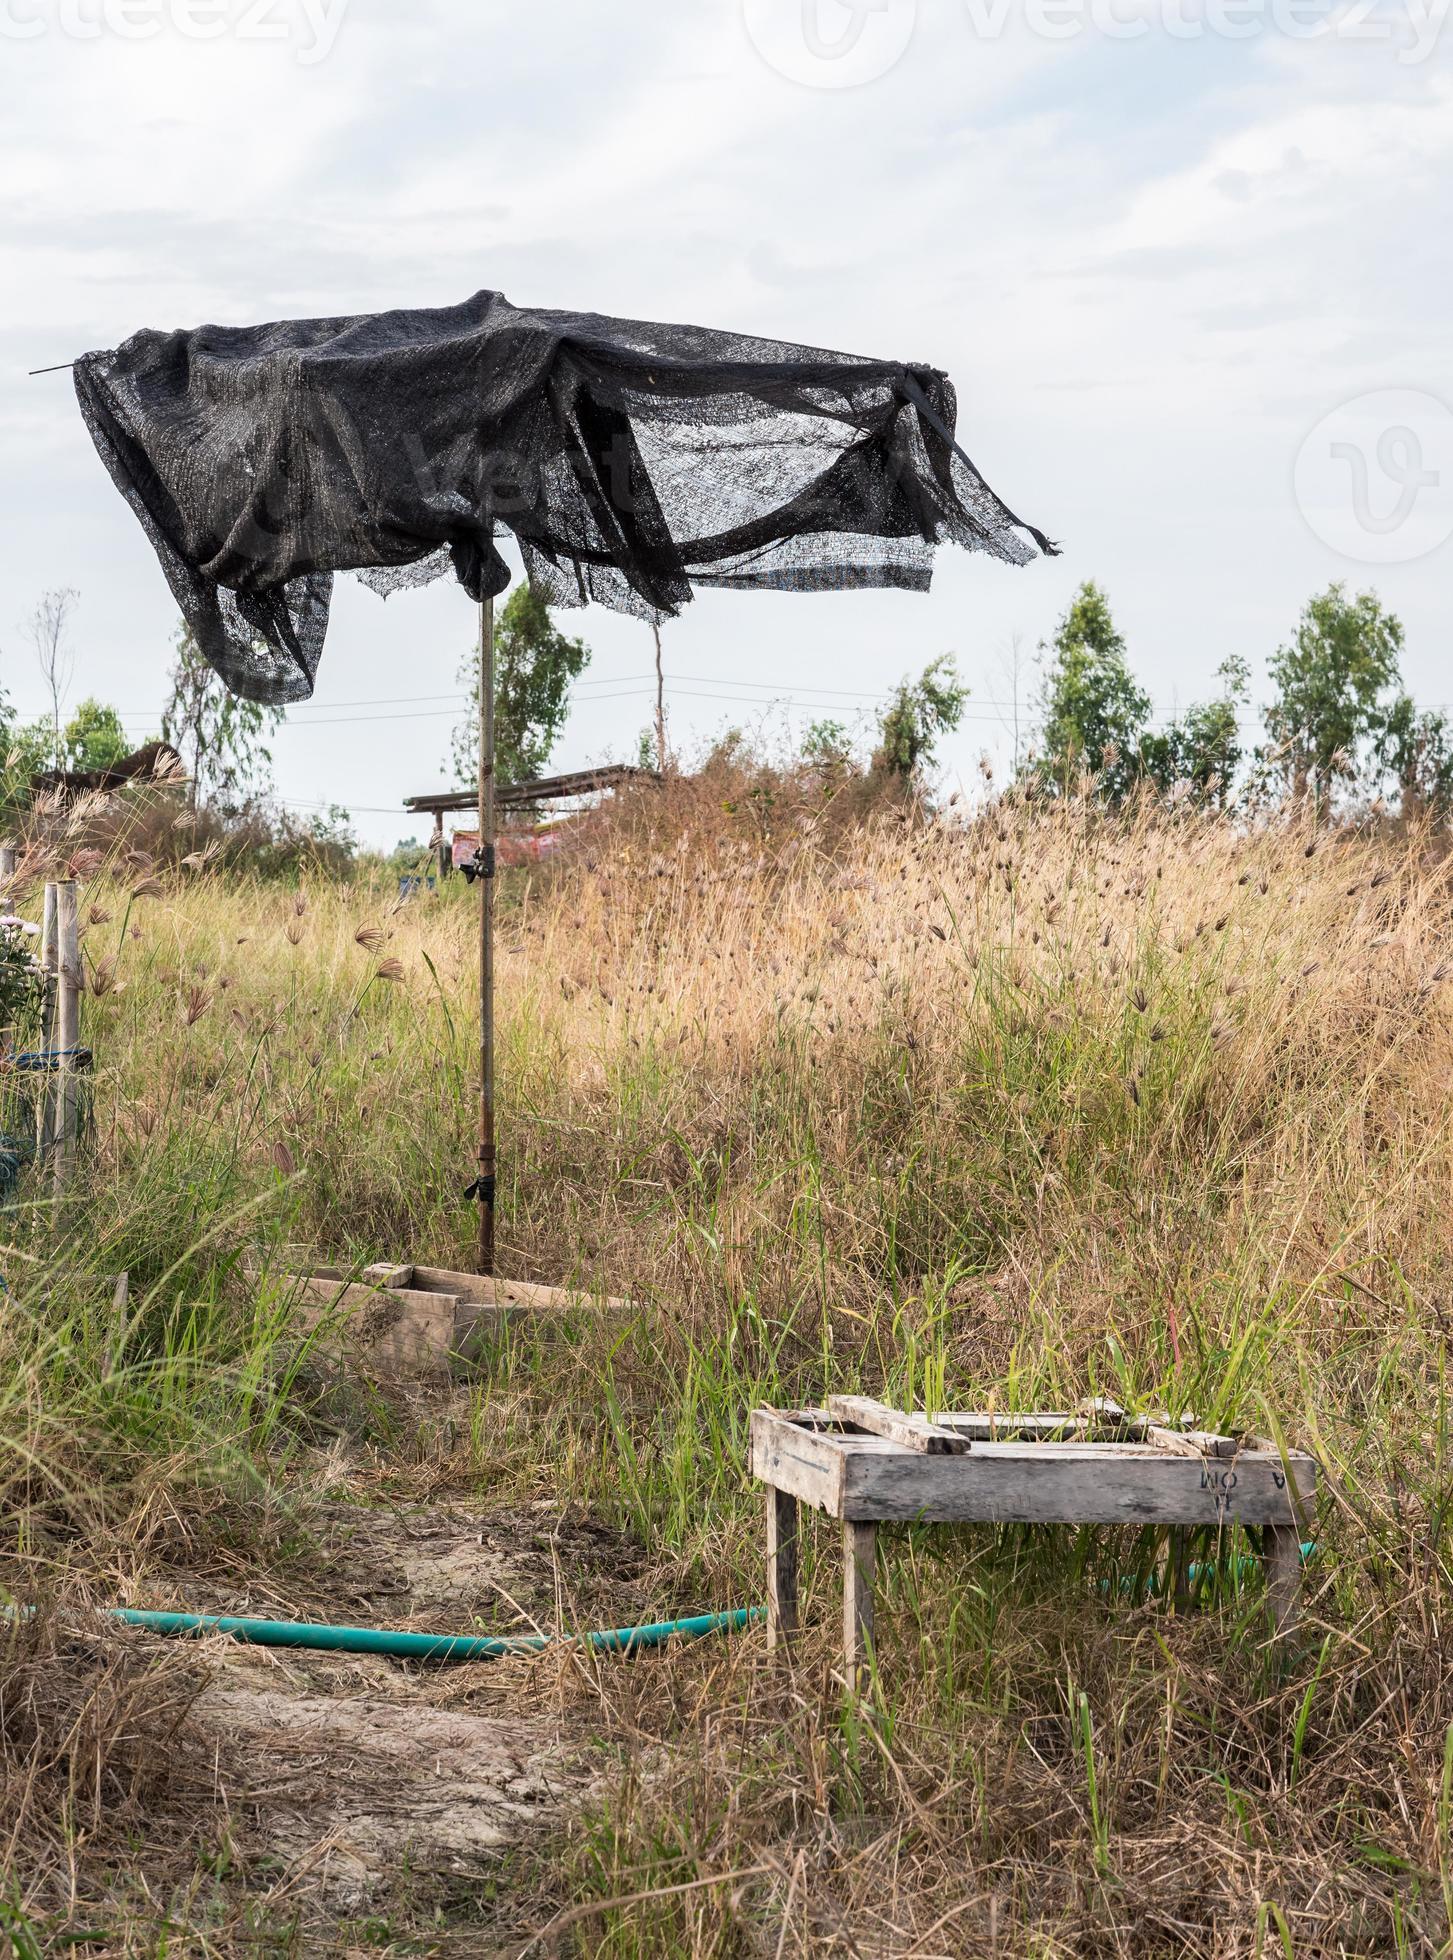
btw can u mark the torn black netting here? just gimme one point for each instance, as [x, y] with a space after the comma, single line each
[631, 461]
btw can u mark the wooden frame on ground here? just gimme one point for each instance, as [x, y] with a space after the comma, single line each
[425, 1320]
[867, 1465]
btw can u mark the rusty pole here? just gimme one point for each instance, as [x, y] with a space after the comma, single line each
[486, 1187]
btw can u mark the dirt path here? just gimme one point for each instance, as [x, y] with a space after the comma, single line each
[373, 1784]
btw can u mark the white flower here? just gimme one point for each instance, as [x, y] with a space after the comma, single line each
[9, 922]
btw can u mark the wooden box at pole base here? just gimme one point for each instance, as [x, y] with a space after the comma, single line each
[428, 1322]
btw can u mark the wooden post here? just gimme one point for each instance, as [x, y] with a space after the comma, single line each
[1179, 1560]
[782, 1529]
[1281, 1552]
[45, 1102]
[68, 1028]
[486, 1186]
[660, 701]
[117, 1332]
[7, 866]
[860, 1559]
[47, 961]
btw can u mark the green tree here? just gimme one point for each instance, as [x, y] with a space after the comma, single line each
[12, 783]
[30, 750]
[220, 737]
[1415, 748]
[827, 753]
[534, 666]
[918, 712]
[93, 738]
[827, 745]
[1094, 710]
[1331, 679]
[1203, 749]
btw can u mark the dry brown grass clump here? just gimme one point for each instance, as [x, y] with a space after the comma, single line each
[106, 1796]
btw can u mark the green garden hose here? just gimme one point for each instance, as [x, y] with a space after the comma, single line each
[431, 1646]
[1245, 1568]
[399, 1645]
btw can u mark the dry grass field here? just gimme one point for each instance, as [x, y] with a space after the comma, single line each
[1010, 1110]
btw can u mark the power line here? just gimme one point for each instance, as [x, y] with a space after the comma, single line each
[348, 809]
[617, 687]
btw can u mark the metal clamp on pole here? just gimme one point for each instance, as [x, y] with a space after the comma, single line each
[481, 865]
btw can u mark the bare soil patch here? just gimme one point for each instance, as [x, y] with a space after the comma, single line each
[350, 1786]
[362, 1790]
[367, 1777]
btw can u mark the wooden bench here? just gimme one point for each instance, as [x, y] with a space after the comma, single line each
[866, 1464]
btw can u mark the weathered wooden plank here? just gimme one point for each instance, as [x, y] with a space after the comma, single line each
[1045, 1483]
[543, 789]
[999, 1425]
[426, 1319]
[1176, 1441]
[327, 1289]
[858, 1443]
[1208, 1443]
[804, 1462]
[860, 1559]
[1008, 1425]
[391, 1276]
[1281, 1551]
[397, 1332]
[1101, 1408]
[783, 1525]
[912, 1432]
[516, 1294]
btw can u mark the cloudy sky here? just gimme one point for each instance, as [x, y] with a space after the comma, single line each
[1186, 261]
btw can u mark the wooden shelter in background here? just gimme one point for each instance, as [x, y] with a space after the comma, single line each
[157, 762]
[521, 796]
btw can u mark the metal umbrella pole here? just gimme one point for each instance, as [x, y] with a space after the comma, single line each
[578, 390]
[485, 1188]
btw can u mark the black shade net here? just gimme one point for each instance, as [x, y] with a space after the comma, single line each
[631, 461]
